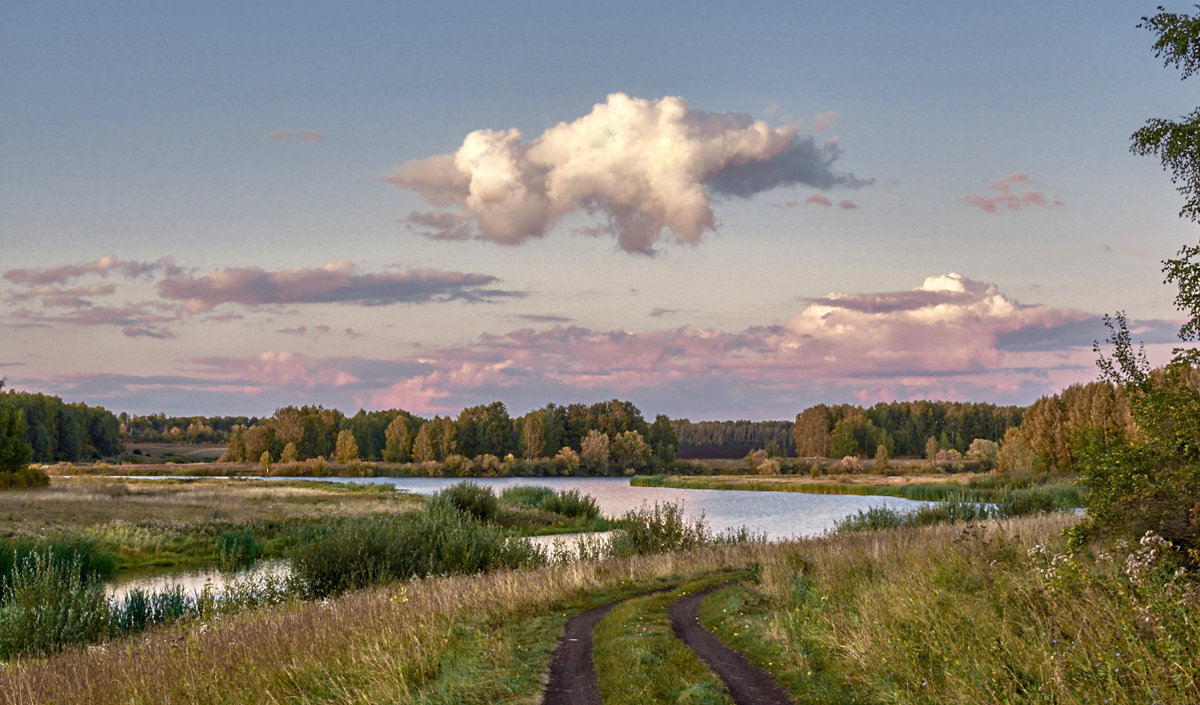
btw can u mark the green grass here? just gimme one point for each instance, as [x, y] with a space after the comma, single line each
[1060, 495]
[640, 660]
[804, 665]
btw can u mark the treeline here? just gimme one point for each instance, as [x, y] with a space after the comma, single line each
[592, 439]
[59, 432]
[903, 429]
[1057, 430]
[160, 428]
[767, 435]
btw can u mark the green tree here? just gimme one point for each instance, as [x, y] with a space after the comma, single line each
[662, 439]
[593, 455]
[1153, 482]
[484, 429]
[15, 452]
[630, 450]
[1176, 143]
[398, 440]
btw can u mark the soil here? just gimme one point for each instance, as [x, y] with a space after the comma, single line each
[748, 685]
[572, 673]
[573, 678]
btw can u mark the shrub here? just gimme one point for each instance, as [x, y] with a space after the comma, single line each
[47, 606]
[439, 540]
[27, 477]
[850, 464]
[571, 503]
[469, 497]
[658, 529]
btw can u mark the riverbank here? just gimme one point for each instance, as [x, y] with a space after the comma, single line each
[981, 613]
[969, 487]
[180, 522]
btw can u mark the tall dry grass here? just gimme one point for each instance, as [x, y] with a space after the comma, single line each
[373, 646]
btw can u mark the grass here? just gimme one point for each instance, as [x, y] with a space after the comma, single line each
[983, 612]
[640, 660]
[971, 488]
[218, 521]
[967, 613]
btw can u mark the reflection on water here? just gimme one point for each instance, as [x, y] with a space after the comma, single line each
[192, 581]
[778, 515]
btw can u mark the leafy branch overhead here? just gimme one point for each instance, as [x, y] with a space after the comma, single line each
[1176, 144]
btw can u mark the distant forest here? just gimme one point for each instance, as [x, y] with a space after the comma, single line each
[1041, 435]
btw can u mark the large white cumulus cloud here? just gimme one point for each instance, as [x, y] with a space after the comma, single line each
[644, 166]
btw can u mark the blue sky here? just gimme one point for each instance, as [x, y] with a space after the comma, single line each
[196, 168]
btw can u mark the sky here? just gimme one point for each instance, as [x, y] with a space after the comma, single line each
[713, 210]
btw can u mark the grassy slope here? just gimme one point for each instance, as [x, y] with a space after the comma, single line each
[980, 614]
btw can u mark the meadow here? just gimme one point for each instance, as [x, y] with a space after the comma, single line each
[973, 612]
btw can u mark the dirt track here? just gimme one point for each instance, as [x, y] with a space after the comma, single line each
[572, 672]
[748, 685]
[573, 678]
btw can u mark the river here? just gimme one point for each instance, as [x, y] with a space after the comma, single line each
[778, 515]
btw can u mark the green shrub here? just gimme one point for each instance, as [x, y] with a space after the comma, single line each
[474, 499]
[66, 550]
[47, 605]
[439, 540]
[569, 503]
[658, 529]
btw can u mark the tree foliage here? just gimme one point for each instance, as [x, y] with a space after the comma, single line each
[1151, 480]
[1175, 143]
[15, 451]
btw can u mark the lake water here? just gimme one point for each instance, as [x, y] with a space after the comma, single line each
[777, 514]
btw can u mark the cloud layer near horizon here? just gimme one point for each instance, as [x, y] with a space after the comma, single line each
[951, 337]
[43, 298]
[643, 166]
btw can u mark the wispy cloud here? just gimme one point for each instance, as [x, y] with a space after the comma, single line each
[151, 295]
[642, 166]
[1006, 197]
[336, 282]
[101, 267]
[950, 337]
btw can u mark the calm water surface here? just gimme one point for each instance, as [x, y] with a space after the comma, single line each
[777, 514]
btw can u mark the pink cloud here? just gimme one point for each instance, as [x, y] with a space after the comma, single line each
[949, 337]
[336, 282]
[847, 205]
[826, 121]
[818, 200]
[1006, 197]
[101, 267]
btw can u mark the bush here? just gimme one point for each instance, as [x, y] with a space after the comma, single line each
[658, 529]
[26, 477]
[47, 605]
[64, 551]
[437, 541]
[469, 497]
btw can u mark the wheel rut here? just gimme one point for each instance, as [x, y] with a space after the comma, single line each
[573, 679]
[747, 684]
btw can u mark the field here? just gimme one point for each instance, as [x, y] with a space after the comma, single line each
[979, 613]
